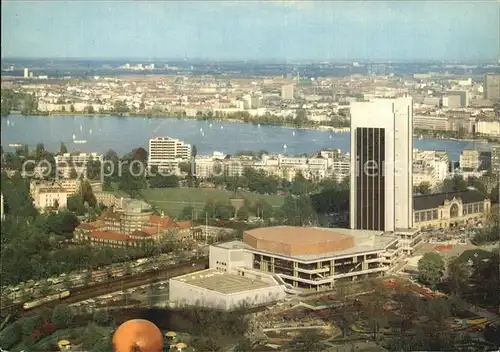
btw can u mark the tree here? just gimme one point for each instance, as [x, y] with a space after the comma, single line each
[62, 315]
[455, 184]
[430, 269]
[243, 213]
[243, 346]
[87, 193]
[301, 117]
[72, 108]
[458, 275]
[101, 317]
[423, 188]
[63, 149]
[186, 213]
[140, 154]
[307, 341]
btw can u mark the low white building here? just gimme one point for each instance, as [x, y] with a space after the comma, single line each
[220, 289]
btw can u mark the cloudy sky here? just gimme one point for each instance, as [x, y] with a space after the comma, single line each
[249, 30]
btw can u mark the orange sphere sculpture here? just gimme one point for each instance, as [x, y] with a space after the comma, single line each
[138, 335]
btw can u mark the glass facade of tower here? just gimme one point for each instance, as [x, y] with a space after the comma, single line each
[370, 179]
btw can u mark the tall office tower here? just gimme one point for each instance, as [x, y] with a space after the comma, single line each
[492, 87]
[381, 164]
[26, 73]
[164, 151]
[287, 92]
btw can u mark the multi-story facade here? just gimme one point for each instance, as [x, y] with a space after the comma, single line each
[495, 160]
[69, 186]
[165, 151]
[309, 258]
[463, 94]
[444, 210]
[288, 92]
[50, 198]
[492, 87]
[488, 127]
[469, 159]
[381, 164]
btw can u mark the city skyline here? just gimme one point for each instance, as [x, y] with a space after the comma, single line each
[252, 30]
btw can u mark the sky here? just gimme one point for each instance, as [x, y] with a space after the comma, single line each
[252, 30]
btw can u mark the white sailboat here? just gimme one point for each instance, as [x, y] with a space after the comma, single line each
[221, 127]
[74, 137]
[293, 133]
[81, 128]
[90, 132]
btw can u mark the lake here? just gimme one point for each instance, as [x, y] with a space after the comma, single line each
[123, 134]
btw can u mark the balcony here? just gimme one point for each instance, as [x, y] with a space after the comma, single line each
[324, 269]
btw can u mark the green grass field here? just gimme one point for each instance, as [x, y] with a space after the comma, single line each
[173, 200]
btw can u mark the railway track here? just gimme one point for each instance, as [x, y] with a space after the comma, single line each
[123, 283]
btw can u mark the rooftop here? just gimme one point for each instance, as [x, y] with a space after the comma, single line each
[222, 282]
[364, 241]
[432, 201]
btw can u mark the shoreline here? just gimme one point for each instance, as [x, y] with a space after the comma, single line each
[213, 119]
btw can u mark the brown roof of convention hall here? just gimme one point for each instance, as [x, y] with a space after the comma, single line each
[296, 234]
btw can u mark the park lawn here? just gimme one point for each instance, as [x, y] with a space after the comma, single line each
[173, 200]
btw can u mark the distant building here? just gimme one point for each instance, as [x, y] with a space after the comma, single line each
[488, 127]
[492, 87]
[165, 151]
[288, 92]
[463, 94]
[26, 73]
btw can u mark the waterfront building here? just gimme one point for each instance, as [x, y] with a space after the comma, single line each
[488, 128]
[166, 151]
[492, 87]
[288, 92]
[381, 164]
[26, 73]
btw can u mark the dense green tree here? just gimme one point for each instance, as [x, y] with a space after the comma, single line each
[63, 149]
[87, 193]
[423, 188]
[455, 184]
[458, 275]
[186, 213]
[431, 269]
[62, 315]
[299, 211]
[101, 317]
[76, 204]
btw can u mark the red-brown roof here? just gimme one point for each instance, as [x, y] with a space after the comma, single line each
[109, 214]
[185, 224]
[105, 235]
[163, 221]
[90, 225]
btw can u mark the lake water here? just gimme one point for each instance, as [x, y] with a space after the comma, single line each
[123, 134]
